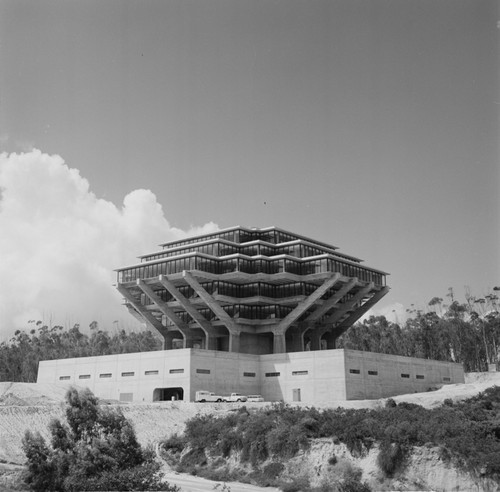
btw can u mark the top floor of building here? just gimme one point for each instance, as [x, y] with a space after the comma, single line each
[251, 250]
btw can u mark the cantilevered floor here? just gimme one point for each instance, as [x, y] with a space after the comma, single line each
[250, 290]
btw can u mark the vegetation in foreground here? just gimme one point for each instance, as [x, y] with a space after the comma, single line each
[467, 433]
[95, 450]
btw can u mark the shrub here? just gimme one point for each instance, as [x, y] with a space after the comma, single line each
[298, 484]
[270, 474]
[469, 431]
[97, 450]
[390, 403]
[174, 443]
[390, 457]
[332, 460]
[193, 458]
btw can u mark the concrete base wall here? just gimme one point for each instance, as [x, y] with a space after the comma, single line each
[382, 375]
[313, 377]
[229, 372]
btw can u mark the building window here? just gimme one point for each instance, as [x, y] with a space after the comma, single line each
[420, 376]
[203, 371]
[406, 376]
[125, 374]
[272, 374]
[64, 378]
[105, 375]
[354, 371]
[176, 371]
[300, 373]
[151, 373]
[249, 374]
[447, 379]
[84, 376]
[373, 373]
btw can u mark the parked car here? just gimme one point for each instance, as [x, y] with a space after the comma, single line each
[234, 397]
[204, 396]
[255, 398]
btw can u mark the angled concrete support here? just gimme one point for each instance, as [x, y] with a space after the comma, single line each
[366, 306]
[280, 330]
[203, 323]
[169, 313]
[212, 304]
[332, 301]
[304, 305]
[148, 317]
[349, 304]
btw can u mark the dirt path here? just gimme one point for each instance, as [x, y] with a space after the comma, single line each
[188, 483]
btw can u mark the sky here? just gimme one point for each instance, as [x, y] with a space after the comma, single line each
[371, 125]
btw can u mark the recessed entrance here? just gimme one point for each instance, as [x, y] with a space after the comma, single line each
[168, 394]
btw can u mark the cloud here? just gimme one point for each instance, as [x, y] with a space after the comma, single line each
[59, 243]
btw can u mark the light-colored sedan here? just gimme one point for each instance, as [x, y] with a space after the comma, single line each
[255, 398]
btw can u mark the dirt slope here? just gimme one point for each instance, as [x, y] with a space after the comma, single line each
[32, 406]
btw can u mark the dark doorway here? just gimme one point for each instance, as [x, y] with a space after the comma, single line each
[168, 394]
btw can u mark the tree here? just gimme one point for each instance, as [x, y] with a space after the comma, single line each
[96, 450]
[19, 356]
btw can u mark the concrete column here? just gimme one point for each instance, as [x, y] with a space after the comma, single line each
[210, 342]
[279, 343]
[187, 342]
[297, 344]
[330, 341]
[315, 337]
[167, 341]
[234, 342]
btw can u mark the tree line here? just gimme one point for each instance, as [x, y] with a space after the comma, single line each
[20, 355]
[466, 333]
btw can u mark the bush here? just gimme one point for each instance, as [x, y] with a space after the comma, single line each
[390, 403]
[269, 476]
[390, 457]
[97, 450]
[298, 484]
[469, 431]
[193, 458]
[332, 460]
[174, 443]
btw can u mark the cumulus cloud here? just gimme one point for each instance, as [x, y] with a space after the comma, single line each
[59, 243]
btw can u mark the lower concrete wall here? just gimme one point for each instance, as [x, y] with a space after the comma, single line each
[313, 377]
[224, 373]
[371, 376]
[125, 377]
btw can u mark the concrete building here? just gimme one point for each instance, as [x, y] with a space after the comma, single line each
[313, 377]
[253, 291]
[257, 311]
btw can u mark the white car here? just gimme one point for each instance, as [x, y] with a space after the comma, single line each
[203, 396]
[255, 398]
[234, 397]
